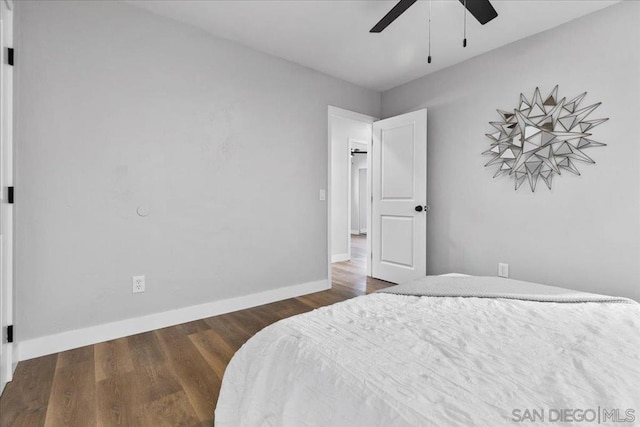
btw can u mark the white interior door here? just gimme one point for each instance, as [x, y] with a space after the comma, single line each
[399, 197]
[6, 180]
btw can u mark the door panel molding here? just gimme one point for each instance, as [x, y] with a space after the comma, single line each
[398, 231]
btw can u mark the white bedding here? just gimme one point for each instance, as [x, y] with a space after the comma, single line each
[399, 360]
[450, 285]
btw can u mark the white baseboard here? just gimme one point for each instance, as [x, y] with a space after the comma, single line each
[340, 257]
[68, 340]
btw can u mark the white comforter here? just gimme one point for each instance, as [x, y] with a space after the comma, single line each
[397, 360]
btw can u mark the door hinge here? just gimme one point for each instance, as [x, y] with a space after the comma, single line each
[10, 333]
[10, 56]
[10, 195]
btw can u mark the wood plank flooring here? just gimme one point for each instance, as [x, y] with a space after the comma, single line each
[168, 377]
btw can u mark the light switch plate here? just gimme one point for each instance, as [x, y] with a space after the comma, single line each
[503, 270]
[323, 194]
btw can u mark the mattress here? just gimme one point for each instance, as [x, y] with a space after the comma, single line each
[407, 360]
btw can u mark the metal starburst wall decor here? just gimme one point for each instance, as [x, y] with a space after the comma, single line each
[542, 138]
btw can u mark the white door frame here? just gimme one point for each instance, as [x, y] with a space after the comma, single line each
[9, 361]
[340, 112]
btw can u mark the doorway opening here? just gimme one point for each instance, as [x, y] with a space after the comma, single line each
[387, 222]
[352, 273]
[349, 195]
[359, 206]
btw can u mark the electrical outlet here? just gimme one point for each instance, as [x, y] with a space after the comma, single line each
[503, 270]
[323, 194]
[138, 284]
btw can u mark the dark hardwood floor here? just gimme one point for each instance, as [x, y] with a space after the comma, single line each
[168, 377]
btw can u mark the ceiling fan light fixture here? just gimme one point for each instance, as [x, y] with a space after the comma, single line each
[482, 10]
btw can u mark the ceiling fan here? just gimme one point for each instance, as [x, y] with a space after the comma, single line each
[480, 9]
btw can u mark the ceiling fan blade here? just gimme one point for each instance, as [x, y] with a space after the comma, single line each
[391, 16]
[481, 10]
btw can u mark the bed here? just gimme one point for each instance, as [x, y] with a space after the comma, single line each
[442, 351]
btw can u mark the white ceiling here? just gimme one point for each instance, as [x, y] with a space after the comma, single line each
[332, 36]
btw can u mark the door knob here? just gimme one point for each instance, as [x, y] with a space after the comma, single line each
[419, 208]
[425, 208]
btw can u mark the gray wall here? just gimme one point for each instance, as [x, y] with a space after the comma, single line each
[585, 232]
[227, 147]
